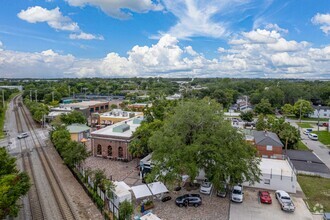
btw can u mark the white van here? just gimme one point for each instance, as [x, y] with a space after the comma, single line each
[22, 135]
[308, 130]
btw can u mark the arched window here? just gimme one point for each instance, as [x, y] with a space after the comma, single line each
[99, 150]
[120, 152]
[109, 151]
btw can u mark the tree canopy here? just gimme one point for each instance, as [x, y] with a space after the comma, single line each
[196, 137]
[13, 185]
[73, 117]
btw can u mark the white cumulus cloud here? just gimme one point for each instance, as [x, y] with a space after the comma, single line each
[120, 8]
[323, 20]
[85, 36]
[259, 54]
[55, 19]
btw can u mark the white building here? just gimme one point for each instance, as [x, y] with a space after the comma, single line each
[275, 175]
[324, 112]
[120, 194]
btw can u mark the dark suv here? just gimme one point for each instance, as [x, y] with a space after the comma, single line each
[189, 200]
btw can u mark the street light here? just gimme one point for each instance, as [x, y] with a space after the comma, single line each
[318, 118]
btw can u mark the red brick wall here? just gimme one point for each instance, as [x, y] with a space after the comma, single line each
[115, 144]
[262, 150]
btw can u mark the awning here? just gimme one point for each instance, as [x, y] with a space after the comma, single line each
[141, 191]
[123, 184]
[157, 188]
[150, 216]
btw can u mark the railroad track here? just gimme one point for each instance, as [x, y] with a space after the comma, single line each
[35, 205]
[54, 182]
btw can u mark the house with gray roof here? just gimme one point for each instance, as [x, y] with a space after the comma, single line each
[78, 131]
[268, 144]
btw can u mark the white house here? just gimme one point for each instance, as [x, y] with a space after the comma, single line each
[275, 175]
[324, 112]
[120, 194]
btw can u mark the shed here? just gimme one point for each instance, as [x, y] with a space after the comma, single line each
[121, 193]
[78, 131]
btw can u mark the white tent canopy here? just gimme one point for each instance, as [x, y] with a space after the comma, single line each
[141, 191]
[150, 216]
[157, 188]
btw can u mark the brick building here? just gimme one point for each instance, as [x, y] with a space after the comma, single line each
[112, 142]
[268, 144]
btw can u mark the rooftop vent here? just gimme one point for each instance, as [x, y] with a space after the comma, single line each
[121, 128]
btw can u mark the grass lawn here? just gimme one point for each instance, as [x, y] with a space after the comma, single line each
[317, 191]
[308, 119]
[302, 146]
[324, 137]
[304, 125]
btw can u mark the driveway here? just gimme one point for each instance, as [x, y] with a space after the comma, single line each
[252, 209]
[318, 148]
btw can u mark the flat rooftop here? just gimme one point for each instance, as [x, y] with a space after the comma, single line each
[118, 113]
[85, 103]
[122, 129]
[275, 166]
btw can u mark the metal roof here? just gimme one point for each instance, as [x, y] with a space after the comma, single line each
[77, 128]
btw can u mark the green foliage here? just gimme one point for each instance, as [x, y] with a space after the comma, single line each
[7, 163]
[287, 109]
[247, 116]
[264, 107]
[125, 210]
[302, 108]
[13, 185]
[196, 136]
[60, 138]
[261, 124]
[98, 177]
[74, 153]
[324, 137]
[38, 110]
[73, 117]
[139, 145]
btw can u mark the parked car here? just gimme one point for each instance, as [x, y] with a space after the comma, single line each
[22, 135]
[237, 193]
[326, 216]
[264, 197]
[166, 198]
[223, 191]
[325, 124]
[206, 187]
[313, 136]
[307, 131]
[285, 200]
[189, 200]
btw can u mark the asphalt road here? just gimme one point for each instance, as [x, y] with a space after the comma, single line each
[318, 148]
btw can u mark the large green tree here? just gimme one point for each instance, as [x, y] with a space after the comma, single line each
[125, 210]
[13, 185]
[74, 153]
[73, 117]
[264, 107]
[196, 137]
[302, 108]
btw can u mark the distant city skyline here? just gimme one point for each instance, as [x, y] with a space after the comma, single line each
[165, 38]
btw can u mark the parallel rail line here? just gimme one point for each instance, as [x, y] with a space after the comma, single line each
[36, 209]
[54, 182]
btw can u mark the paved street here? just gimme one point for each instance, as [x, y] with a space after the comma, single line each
[318, 148]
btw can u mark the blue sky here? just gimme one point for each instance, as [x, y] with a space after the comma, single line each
[194, 38]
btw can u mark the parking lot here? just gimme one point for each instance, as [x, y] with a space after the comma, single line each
[212, 208]
[252, 209]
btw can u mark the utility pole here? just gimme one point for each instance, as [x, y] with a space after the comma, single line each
[318, 118]
[52, 96]
[36, 93]
[31, 95]
[69, 91]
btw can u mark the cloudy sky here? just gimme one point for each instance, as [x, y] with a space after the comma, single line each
[167, 38]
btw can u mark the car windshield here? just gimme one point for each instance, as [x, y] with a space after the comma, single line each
[206, 184]
[236, 191]
[285, 198]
